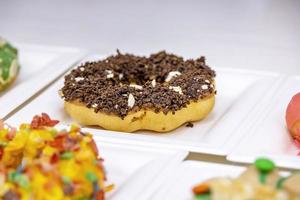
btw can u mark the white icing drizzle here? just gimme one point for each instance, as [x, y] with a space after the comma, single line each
[110, 74]
[172, 74]
[176, 89]
[131, 101]
[77, 79]
[153, 83]
[204, 87]
[94, 105]
[138, 87]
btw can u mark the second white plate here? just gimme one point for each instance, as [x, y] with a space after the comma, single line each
[39, 66]
[179, 185]
[268, 134]
[134, 170]
[190, 173]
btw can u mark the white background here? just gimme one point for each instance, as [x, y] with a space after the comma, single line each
[254, 34]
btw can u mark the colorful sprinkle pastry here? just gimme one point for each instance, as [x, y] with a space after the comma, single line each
[261, 181]
[9, 65]
[43, 163]
[127, 93]
[293, 118]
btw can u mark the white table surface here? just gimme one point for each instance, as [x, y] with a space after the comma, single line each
[254, 34]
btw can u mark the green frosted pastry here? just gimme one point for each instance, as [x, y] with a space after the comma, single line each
[9, 65]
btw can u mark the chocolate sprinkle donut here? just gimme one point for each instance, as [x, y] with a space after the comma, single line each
[126, 83]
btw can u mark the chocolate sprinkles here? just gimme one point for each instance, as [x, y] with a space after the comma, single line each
[126, 83]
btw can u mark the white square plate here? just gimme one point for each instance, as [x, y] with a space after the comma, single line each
[178, 185]
[39, 66]
[268, 135]
[135, 170]
[238, 94]
[190, 173]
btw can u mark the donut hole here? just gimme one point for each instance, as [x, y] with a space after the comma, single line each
[140, 70]
[143, 74]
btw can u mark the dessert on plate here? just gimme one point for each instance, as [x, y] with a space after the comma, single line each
[127, 93]
[9, 65]
[293, 118]
[260, 181]
[41, 162]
